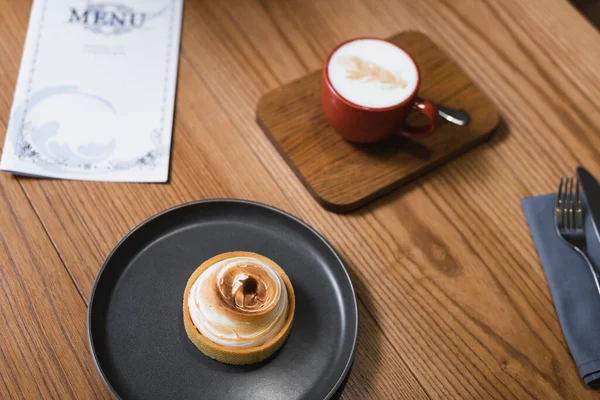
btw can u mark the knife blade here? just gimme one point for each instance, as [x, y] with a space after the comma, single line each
[591, 191]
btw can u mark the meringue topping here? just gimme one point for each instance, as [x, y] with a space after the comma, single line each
[239, 302]
[246, 288]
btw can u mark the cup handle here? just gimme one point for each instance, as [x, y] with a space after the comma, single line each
[427, 109]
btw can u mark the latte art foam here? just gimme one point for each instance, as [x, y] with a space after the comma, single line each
[372, 73]
[239, 302]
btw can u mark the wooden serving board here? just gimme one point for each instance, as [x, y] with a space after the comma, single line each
[342, 175]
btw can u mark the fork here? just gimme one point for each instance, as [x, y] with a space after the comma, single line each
[569, 221]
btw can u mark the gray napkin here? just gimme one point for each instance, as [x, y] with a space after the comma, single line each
[574, 292]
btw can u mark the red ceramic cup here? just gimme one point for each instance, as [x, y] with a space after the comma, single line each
[361, 124]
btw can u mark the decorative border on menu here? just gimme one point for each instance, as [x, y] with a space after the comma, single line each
[150, 159]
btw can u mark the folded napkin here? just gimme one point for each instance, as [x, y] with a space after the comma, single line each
[573, 290]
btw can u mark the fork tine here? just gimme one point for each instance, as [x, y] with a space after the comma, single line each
[558, 218]
[570, 205]
[565, 205]
[578, 211]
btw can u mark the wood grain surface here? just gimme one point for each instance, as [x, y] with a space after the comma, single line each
[453, 300]
[343, 176]
[44, 352]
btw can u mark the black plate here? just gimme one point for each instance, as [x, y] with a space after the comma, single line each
[135, 324]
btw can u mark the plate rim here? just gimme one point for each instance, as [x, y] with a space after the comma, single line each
[140, 225]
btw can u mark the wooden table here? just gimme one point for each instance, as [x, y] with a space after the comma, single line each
[453, 300]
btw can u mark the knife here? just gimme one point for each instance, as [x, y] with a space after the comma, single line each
[591, 191]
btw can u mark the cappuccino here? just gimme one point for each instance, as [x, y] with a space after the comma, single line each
[372, 73]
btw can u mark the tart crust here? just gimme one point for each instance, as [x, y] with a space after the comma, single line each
[232, 355]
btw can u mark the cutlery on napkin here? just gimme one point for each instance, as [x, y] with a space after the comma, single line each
[573, 290]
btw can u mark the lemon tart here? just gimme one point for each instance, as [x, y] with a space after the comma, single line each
[238, 307]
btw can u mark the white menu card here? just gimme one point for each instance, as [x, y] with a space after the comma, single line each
[96, 91]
